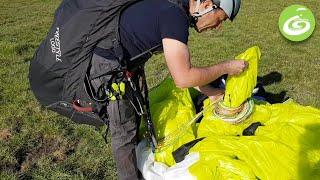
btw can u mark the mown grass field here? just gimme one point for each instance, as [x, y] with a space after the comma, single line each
[38, 144]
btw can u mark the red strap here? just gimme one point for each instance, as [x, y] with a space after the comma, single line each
[128, 74]
[78, 107]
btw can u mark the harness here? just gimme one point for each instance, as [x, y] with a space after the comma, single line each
[114, 90]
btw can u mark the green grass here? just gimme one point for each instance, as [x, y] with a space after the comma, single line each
[39, 144]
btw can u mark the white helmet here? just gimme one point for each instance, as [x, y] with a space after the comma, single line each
[230, 7]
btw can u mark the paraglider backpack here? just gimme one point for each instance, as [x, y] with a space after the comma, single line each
[59, 67]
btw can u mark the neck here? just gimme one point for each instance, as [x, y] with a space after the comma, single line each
[192, 5]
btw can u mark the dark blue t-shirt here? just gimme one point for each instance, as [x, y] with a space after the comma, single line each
[144, 24]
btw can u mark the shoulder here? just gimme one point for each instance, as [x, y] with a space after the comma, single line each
[173, 9]
[173, 24]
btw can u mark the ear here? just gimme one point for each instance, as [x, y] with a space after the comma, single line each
[207, 4]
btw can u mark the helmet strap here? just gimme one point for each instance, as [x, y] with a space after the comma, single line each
[197, 8]
[195, 16]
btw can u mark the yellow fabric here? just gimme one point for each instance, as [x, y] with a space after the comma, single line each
[286, 147]
[239, 88]
[170, 108]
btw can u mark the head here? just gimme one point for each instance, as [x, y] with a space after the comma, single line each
[210, 14]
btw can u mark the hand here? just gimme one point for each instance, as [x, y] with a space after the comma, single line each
[236, 67]
[215, 98]
[217, 93]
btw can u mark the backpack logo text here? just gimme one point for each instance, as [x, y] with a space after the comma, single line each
[55, 45]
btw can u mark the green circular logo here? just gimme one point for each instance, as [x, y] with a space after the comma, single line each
[296, 23]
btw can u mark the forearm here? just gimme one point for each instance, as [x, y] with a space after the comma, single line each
[209, 90]
[185, 75]
[200, 77]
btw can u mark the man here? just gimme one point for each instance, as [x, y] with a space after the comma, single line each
[144, 25]
[83, 72]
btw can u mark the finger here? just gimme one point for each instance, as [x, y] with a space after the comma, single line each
[246, 65]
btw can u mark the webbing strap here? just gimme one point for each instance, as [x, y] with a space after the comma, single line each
[118, 52]
[183, 150]
[141, 111]
[149, 124]
[249, 131]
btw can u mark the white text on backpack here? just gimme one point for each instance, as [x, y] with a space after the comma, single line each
[55, 45]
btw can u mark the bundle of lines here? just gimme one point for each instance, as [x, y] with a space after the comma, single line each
[233, 115]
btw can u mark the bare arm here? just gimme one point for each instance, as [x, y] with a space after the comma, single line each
[185, 75]
[214, 94]
[209, 90]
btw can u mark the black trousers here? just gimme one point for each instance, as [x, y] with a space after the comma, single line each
[124, 121]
